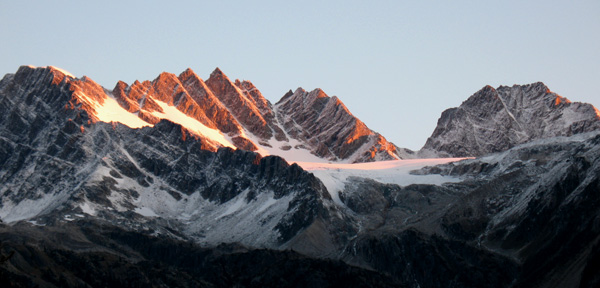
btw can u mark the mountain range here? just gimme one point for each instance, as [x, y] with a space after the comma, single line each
[224, 113]
[183, 182]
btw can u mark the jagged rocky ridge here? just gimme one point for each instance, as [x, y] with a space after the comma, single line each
[495, 120]
[223, 113]
[325, 123]
[526, 217]
[522, 218]
[59, 159]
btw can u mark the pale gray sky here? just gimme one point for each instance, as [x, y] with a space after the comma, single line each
[396, 64]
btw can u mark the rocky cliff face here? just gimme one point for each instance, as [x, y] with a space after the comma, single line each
[222, 112]
[494, 120]
[153, 200]
[526, 217]
[324, 123]
[59, 163]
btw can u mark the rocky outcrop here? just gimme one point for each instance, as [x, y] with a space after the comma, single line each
[525, 217]
[228, 113]
[244, 109]
[56, 159]
[210, 104]
[83, 196]
[327, 126]
[494, 120]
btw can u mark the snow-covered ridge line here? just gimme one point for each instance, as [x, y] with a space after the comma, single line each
[226, 114]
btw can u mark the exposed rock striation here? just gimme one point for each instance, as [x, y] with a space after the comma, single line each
[325, 124]
[494, 120]
[526, 217]
[154, 203]
[57, 162]
[223, 113]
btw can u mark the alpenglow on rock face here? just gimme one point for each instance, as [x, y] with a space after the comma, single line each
[224, 113]
[56, 162]
[147, 199]
[326, 124]
[494, 120]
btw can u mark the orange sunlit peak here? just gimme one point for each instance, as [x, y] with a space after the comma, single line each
[560, 100]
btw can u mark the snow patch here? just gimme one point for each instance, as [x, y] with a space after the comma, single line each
[295, 153]
[35, 223]
[87, 209]
[145, 211]
[235, 206]
[335, 175]
[111, 111]
[172, 114]
[267, 204]
[28, 208]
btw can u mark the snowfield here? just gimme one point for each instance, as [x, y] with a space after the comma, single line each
[335, 175]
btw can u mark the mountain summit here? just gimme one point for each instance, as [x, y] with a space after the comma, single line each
[494, 120]
[138, 181]
[326, 124]
[223, 113]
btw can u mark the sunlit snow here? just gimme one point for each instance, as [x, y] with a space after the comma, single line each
[291, 155]
[111, 111]
[171, 113]
[67, 73]
[335, 175]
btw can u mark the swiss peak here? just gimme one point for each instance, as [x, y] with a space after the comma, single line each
[495, 120]
[229, 113]
[142, 181]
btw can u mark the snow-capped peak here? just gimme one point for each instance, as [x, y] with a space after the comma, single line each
[494, 120]
[302, 126]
